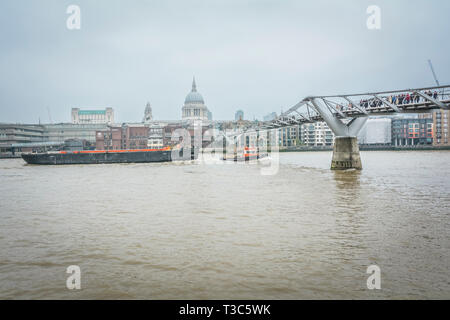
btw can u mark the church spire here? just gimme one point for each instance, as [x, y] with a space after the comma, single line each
[148, 113]
[194, 86]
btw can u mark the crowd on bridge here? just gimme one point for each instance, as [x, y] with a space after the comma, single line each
[411, 98]
[401, 99]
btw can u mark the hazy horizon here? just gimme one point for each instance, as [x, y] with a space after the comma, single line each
[257, 56]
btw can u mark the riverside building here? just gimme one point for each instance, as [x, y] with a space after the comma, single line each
[376, 131]
[92, 116]
[316, 134]
[440, 124]
[19, 135]
[412, 131]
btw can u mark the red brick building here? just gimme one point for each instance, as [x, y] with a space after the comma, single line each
[135, 137]
[110, 139]
[122, 137]
[143, 136]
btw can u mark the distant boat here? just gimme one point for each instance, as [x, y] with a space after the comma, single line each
[105, 156]
[247, 155]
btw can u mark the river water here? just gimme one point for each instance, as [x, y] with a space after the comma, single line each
[192, 230]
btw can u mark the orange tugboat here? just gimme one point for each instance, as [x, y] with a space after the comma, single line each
[248, 154]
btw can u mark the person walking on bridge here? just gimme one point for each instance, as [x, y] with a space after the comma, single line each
[407, 98]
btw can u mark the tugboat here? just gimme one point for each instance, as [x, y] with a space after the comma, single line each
[106, 156]
[248, 155]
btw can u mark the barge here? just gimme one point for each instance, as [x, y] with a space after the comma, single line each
[108, 156]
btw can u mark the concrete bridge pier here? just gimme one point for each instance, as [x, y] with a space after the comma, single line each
[345, 150]
[346, 154]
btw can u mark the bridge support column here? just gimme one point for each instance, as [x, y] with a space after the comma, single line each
[345, 150]
[346, 154]
[224, 146]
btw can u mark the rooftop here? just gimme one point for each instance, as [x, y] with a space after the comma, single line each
[88, 112]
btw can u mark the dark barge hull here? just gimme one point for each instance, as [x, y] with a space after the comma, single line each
[96, 157]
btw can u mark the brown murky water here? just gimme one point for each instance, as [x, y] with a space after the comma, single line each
[211, 231]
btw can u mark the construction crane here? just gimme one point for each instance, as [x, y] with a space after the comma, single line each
[434, 76]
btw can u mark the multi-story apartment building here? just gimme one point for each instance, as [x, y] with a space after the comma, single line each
[289, 136]
[156, 135]
[316, 134]
[440, 124]
[412, 131]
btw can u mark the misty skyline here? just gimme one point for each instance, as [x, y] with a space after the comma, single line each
[258, 56]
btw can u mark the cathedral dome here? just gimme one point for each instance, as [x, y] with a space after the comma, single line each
[194, 96]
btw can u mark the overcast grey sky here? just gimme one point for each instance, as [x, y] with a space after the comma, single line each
[259, 56]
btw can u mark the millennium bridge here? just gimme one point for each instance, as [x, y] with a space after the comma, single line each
[346, 114]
